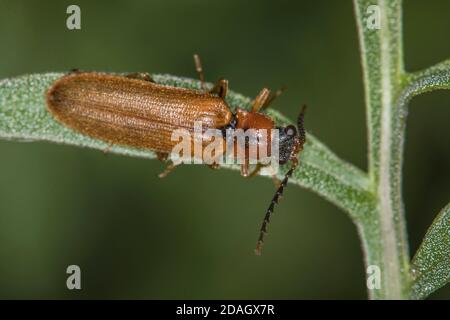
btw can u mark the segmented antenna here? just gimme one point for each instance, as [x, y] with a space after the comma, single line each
[294, 160]
[300, 126]
[276, 197]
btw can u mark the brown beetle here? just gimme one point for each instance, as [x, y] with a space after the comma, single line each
[133, 110]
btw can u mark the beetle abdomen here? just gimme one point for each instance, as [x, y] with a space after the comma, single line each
[132, 112]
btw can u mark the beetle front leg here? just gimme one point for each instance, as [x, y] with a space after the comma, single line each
[244, 168]
[276, 181]
[255, 171]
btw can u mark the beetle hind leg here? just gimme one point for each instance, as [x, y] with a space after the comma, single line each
[220, 88]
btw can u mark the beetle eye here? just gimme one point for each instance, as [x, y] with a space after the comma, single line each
[290, 131]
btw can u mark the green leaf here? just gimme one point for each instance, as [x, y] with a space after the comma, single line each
[430, 266]
[433, 78]
[24, 117]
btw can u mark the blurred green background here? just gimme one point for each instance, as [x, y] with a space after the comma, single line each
[192, 234]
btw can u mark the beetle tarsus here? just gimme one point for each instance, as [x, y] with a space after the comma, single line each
[258, 248]
[167, 170]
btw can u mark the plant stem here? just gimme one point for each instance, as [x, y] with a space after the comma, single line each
[381, 51]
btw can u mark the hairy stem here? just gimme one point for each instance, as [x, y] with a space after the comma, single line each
[381, 51]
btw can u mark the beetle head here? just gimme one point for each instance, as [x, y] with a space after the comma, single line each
[288, 140]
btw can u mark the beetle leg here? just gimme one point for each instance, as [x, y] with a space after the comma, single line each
[255, 171]
[220, 88]
[167, 170]
[75, 70]
[161, 156]
[244, 168]
[140, 76]
[199, 69]
[215, 165]
[261, 99]
[273, 96]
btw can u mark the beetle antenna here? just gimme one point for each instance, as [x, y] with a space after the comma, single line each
[276, 197]
[300, 126]
[300, 140]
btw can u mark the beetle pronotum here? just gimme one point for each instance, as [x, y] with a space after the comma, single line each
[135, 111]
